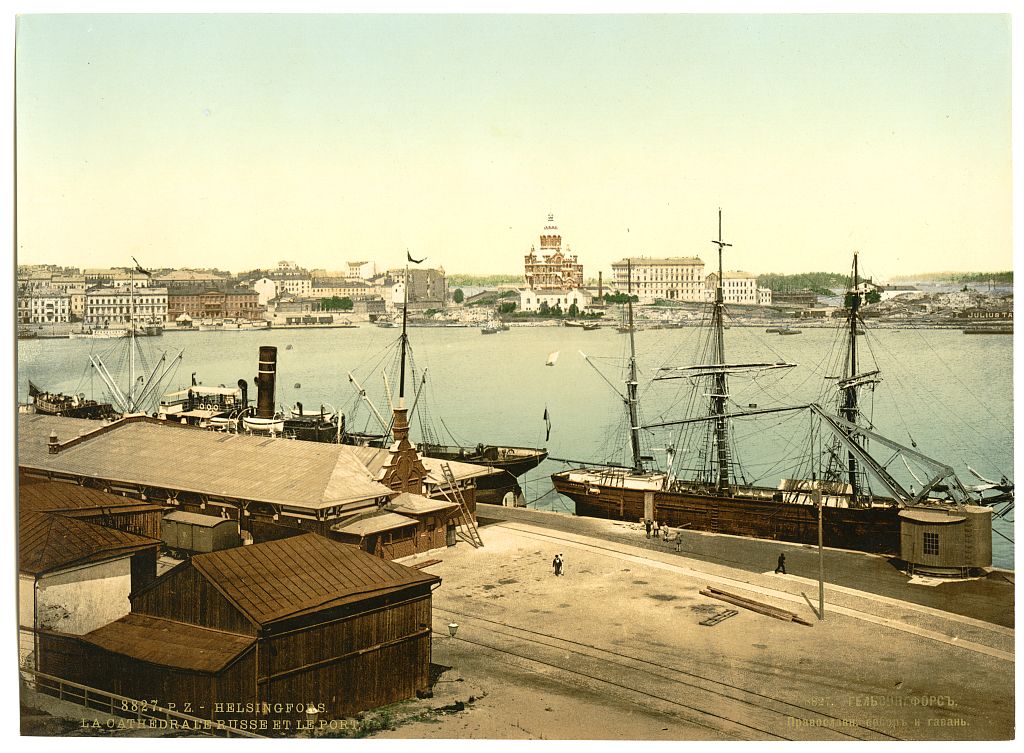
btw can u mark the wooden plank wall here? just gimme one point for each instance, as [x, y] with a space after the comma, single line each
[186, 596]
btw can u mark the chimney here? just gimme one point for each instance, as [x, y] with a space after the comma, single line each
[244, 387]
[53, 445]
[600, 286]
[265, 382]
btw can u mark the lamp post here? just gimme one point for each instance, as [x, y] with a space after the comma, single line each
[821, 559]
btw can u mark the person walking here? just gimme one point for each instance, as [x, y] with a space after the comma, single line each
[647, 525]
[559, 563]
[655, 529]
[781, 567]
[664, 532]
[679, 541]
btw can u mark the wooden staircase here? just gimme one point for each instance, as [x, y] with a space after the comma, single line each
[467, 525]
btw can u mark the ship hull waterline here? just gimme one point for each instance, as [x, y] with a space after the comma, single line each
[873, 529]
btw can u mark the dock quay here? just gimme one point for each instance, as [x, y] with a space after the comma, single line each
[615, 648]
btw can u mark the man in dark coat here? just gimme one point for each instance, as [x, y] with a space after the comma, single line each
[781, 567]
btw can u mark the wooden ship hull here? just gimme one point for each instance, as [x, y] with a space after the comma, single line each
[755, 513]
[514, 461]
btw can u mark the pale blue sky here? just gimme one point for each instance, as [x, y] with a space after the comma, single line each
[236, 141]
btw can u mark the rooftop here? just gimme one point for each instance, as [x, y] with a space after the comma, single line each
[308, 475]
[299, 575]
[169, 643]
[48, 542]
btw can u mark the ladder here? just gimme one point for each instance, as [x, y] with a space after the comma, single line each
[468, 525]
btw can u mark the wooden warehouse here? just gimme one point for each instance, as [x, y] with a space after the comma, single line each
[309, 486]
[265, 628]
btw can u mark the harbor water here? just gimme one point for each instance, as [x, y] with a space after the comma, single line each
[946, 395]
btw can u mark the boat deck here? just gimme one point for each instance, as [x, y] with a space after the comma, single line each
[989, 598]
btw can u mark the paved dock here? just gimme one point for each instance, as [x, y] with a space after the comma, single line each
[614, 649]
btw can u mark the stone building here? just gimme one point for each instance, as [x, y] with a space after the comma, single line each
[553, 269]
[677, 278]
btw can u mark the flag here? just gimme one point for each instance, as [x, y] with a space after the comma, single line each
[547, 425]
[414, 261]
[33, 390]
[138, 268]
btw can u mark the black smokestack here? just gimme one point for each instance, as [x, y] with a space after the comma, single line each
[265, 382]
[244, 387]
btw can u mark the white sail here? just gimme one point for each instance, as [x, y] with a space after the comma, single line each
[552, 357]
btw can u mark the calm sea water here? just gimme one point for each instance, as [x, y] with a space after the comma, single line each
[950, 395]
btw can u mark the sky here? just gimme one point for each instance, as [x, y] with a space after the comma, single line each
[236, 141]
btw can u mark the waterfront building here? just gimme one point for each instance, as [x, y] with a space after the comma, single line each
[116, 277]
[533, 300]
[737, 288]
[206, 303]
[341, 287]
[190, 279]
[553, 269]
[298, 620]
[764, 297]
[428, 289]
[798, 298]
[74, 286]
[75, 569]
[117, 306]
[39, 305]
[674, 278]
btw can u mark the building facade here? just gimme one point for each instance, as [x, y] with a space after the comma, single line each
[534, 300]
[552, 269]
[43, 306]
[737, 288]
[117, 306]
[679, 278]
[204, 303]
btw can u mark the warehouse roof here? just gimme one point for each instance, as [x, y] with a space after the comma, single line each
[57, 496]
[169, 643]
[48, 542]
[415, 504]
[194, 518]
[374, 459]
[299, 575]
[378, 523]
[309, 475]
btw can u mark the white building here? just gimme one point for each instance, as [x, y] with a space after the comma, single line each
[737, 287]
[531, 300]
[44, 306]
[677, 278]
[764, 296]
[74, 286]
[266, 288]
[361, 270]
[116, 307]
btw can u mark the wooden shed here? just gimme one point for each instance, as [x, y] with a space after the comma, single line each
[194, 533]
[946, 541]
[91, 505]
[302, 620]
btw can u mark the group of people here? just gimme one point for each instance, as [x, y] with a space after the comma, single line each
[653, 529]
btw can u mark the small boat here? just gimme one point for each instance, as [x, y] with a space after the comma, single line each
[789, 331]
[488, 331]
[774, 330]
[590, 327]
[71, 406]
[257, 425]
[552, 358]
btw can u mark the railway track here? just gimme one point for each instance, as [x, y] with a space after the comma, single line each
[698, 699]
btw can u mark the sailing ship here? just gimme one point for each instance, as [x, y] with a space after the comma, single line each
[513, 461]
[133, 386]
[861, 503]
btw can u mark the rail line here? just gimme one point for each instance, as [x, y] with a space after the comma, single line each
[649, 669]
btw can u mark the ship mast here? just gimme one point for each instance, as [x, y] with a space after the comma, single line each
[405, 339]
[720, 392]
[631, 385]
[849, 408]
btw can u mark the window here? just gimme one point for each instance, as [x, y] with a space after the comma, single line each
[931, 543]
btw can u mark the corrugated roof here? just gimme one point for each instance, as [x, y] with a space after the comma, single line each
[170, 644]
[288, 577]
[39, 495]
[194, 518]
[309, 475]
[48, 542]
[419, 505]
[387, 521]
